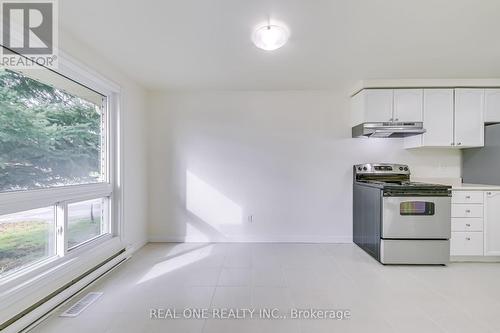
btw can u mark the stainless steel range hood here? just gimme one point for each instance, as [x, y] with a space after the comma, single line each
[388, 129]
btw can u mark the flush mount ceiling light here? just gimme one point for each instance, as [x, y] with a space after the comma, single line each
[270, 37]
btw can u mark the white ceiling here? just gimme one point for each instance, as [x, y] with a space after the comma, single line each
[205, 44]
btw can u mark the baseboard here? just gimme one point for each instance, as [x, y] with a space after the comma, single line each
[484, 259]
[132, 248]
[252, 239]
[37, 315]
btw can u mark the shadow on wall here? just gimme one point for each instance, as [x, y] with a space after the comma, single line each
[212, 214]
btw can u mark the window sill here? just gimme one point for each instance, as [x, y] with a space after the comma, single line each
[20, 289]
[91, 242]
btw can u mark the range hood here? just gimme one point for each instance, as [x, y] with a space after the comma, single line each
[388, 129]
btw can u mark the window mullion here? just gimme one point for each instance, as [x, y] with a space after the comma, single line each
[61, 229]
[106, 217]
[24, 200]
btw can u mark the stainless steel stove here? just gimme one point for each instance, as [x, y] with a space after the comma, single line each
[398, 221]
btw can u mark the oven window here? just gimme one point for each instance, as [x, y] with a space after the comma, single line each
[417, 208]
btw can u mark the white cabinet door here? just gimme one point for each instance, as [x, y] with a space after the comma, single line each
[492, 224]
[438, 118]
[378, 105]
[467, 224]
[466, 210]
[466, 244]
[469, 117]
[408, 105]
[467, 197]
[492, 105]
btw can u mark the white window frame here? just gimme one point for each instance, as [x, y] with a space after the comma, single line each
[59, 197]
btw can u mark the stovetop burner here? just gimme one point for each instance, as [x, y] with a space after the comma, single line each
[392, 177]
[399, 183]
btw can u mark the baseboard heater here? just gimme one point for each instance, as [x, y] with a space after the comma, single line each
[7, 324]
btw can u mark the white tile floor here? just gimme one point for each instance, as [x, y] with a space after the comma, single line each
[462, 297]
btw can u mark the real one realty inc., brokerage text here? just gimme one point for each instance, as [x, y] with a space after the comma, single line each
[248, 313]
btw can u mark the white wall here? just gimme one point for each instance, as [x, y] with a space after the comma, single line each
[133, 114]
[284, 157]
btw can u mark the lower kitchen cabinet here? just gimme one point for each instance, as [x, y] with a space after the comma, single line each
[475, 223]
[492, 223]
[466, 243]
[466, 224]
[467, 210]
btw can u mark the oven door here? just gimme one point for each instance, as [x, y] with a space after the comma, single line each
[416, 217]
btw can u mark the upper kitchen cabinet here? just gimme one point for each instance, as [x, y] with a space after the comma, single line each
[386, 105]
[469, 117]
[408, 105]
[453, 118]
[438, 120]
[372, 105]
[492, 105]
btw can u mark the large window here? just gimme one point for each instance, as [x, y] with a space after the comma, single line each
[48, 137]
[55, 179]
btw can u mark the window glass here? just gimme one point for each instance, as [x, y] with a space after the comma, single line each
[416, 208]
[48, 137]
[26, 237]
[85, 221]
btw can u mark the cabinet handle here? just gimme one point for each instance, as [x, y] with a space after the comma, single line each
[460, 143]
[467, 197]
[467, 224]
[467, 238]
[467, 210]
[489, 193]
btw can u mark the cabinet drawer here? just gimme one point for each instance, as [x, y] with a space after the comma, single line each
[466, 243]
[466, 224]
[462, 210]
[465, 197]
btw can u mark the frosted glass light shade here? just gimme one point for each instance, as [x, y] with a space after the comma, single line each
[270, 37]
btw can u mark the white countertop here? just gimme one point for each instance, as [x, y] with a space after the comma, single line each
[457, 185]
[475, 187]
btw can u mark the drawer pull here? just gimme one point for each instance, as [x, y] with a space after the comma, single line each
[467, 210]
[467, 224]
[467, 238]
[467, 197]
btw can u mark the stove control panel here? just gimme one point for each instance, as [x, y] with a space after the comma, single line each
[382, 168]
